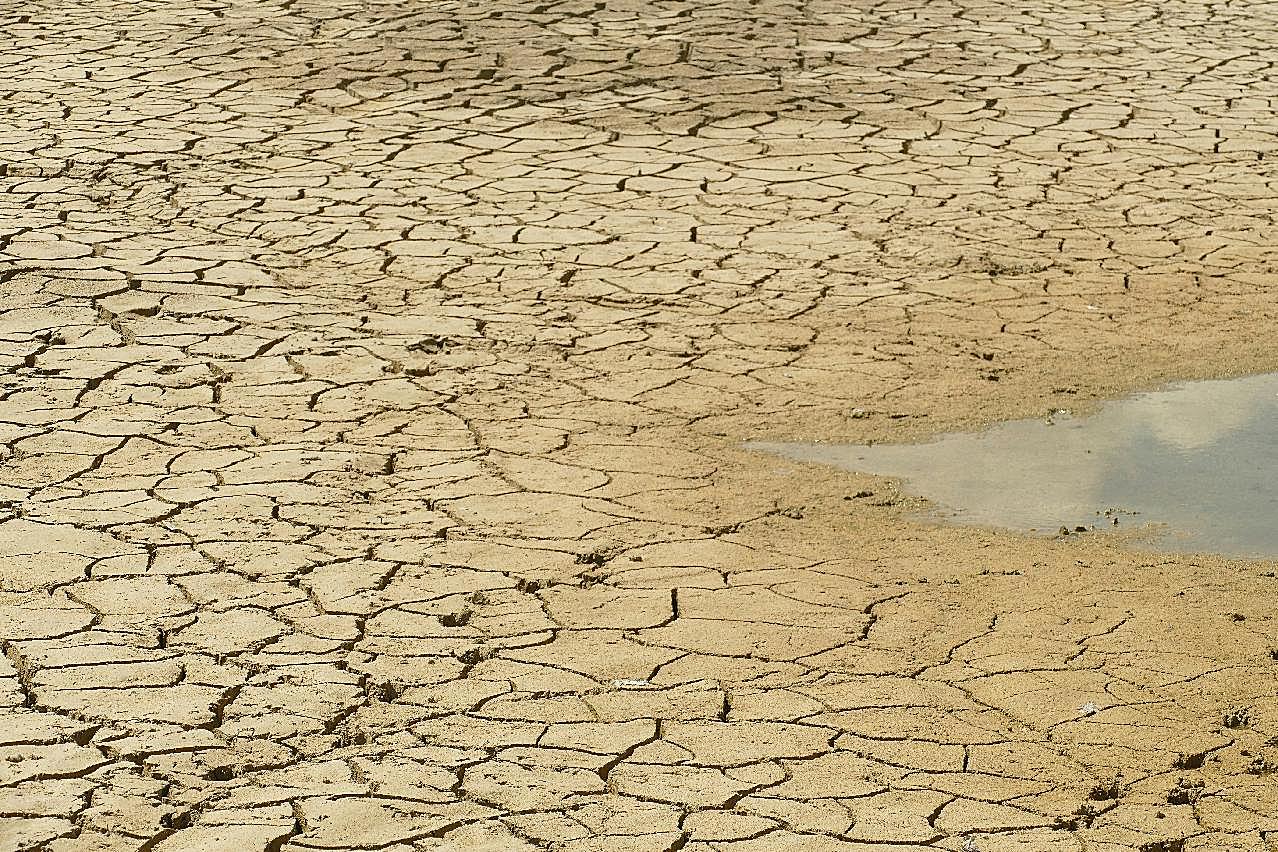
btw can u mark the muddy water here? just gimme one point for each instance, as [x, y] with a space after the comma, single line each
[1194, 467]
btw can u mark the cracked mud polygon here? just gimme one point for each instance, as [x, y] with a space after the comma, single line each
[376, 380]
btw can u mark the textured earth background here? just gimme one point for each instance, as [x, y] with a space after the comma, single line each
[375, 379]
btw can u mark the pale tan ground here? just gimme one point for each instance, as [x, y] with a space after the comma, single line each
[375, 377]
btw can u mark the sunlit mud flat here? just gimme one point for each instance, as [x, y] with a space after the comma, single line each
[1192, 468]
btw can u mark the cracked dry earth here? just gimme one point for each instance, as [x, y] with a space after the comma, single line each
[375, 381]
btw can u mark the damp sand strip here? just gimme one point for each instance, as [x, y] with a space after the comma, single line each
[1196, 464]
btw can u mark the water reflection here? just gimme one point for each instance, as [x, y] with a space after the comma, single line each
[1200, 458]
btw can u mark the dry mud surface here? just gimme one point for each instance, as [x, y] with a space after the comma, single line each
[376, 375]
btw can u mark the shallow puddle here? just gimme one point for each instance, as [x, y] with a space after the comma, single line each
[1196, 464]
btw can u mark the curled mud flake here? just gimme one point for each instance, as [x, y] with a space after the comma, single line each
[1166, 845]
[1106, 791]
[1238, 717]
[1186, 792]
[459, 618]
[1192, 760]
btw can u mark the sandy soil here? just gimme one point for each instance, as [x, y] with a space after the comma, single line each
[376, 375]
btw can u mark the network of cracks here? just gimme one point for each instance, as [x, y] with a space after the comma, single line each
[375, 380]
